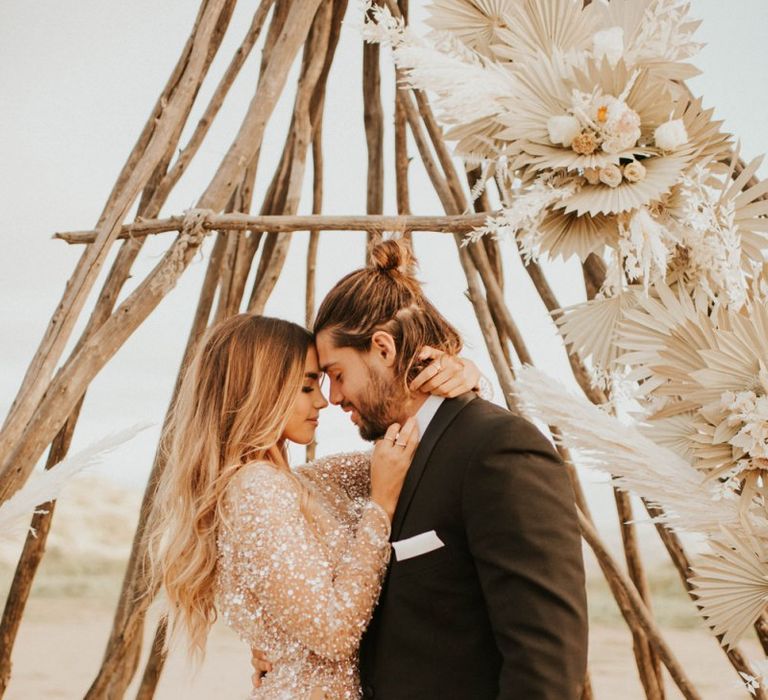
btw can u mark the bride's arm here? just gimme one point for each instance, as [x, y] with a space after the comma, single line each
[325, 609]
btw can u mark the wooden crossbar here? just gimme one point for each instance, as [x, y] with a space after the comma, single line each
[282, 224]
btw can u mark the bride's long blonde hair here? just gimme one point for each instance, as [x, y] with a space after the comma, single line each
[232, 407]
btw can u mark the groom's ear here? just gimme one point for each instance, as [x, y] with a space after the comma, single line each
[383, 348]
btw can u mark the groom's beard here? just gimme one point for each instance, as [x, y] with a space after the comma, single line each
[381, 406]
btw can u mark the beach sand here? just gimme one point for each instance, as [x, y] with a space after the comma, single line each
[61, 643]
[66, 624]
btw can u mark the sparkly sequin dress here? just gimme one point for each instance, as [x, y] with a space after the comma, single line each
[303, 594]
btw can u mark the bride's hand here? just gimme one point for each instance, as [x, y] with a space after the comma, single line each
[445, 375]
[261, 665]
[390, 461]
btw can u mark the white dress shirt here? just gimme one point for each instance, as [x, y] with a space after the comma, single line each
[427, 412]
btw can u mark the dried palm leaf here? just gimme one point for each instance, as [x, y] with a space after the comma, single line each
[603, 442]
[750, 209]
[476, 23]
[589, 329]
[706, 143]
[731, 584]
[477, 140]
[542, 90]
[532, 27]
[735, 362]
[673, 432]
[566, 235]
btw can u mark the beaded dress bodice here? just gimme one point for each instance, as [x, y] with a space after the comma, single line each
[301, 591]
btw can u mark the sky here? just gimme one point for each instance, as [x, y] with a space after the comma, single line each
[78, 80]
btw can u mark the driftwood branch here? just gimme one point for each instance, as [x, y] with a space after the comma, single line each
[124, 644]
[167, 120]
[634, 609]
[288, 223]
[373, 117]
[34, 548]
[682, 564]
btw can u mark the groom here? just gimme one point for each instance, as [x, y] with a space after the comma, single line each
[484, 597]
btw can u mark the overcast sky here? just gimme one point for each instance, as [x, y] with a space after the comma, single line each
[77, 80]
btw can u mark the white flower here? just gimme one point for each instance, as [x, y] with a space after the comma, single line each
[610, 175]
[610, 43]
[563, 129]
[634, 171]
[618, 123]
[592, 176]
[670, 135]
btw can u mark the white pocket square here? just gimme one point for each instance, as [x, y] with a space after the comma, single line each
[417, 545]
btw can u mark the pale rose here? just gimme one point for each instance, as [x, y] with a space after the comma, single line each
[634, 171]
[563, 129]
[622, 127]
[609, 43]
[592, 175]
[585, 144]
[670, 135]
[627, 126]
[617, 122]
[614, 144]
[610, 175]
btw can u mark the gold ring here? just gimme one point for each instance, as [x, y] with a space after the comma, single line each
[388, 438]
[400, 444]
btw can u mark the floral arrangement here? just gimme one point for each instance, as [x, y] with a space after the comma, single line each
[582, 117]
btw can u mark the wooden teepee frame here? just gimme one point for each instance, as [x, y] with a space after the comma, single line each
[45, 412]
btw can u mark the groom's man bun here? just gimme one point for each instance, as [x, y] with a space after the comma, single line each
[386, 296]
[393, 256]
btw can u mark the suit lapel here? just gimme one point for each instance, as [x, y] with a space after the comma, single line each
[448, 410]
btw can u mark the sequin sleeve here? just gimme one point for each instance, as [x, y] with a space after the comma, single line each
[284, 564]
[349, 470]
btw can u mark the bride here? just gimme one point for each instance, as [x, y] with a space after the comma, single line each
[292, 558]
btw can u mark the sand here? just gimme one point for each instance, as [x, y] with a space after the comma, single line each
[61, 643]
[67, 622]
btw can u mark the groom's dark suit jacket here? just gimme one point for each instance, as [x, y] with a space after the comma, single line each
[500, 611]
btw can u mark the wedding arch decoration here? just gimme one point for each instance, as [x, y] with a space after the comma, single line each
[561, 129]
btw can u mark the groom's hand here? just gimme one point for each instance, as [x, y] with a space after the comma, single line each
[260, 666]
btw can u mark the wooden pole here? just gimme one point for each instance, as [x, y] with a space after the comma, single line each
[34, 547]
[633, 608]
[121, 656]
[32, 554]
[285, 190]
[155, 663]
[140, 167]
[402, 161]
[373, 116]
[314, 241]
[648, 663]
[187, 153]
